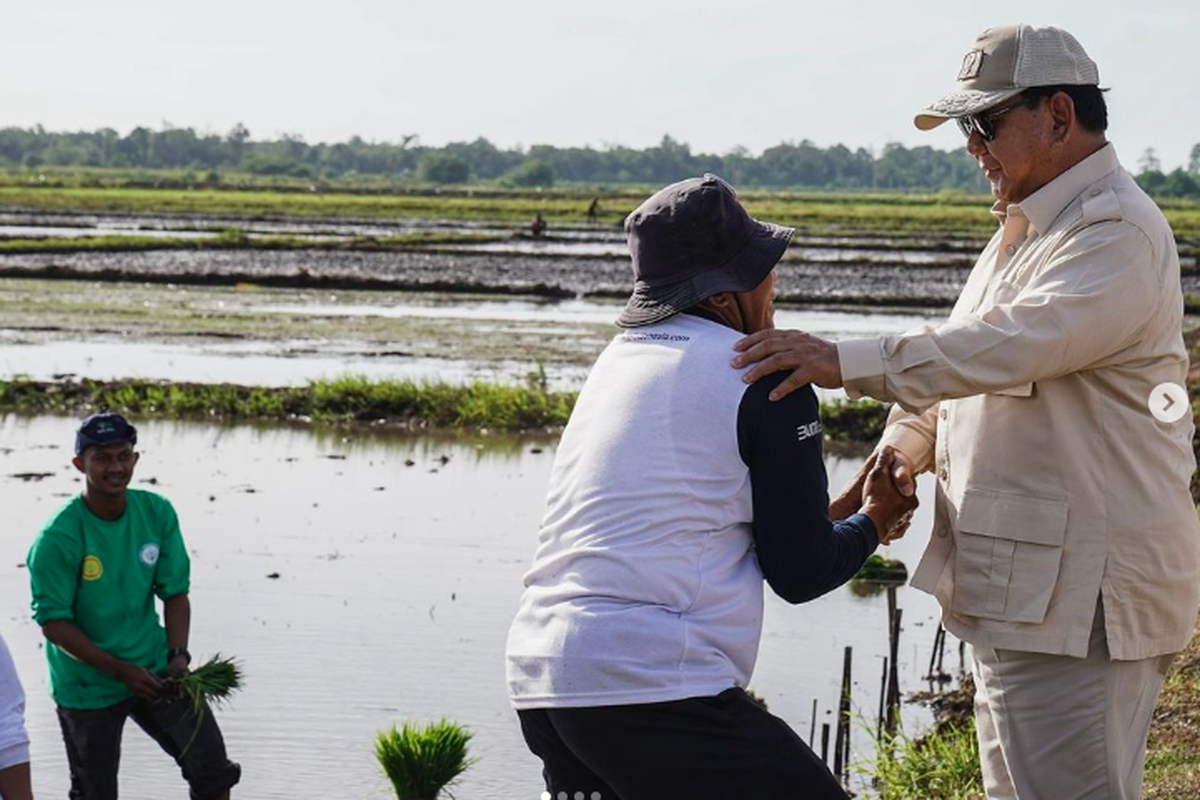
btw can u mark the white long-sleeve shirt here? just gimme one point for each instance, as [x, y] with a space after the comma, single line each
[14, 741]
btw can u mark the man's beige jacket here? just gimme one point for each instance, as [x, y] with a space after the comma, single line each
[1055, 483]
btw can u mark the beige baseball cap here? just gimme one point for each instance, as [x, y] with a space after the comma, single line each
[1006, 61]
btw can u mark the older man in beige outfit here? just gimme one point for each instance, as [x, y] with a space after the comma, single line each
[1065, 546]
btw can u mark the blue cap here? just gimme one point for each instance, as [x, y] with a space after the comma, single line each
[108, 427]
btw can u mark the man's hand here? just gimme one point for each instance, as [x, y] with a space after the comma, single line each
[883, 502]
[903, 474]
[177, 667]
[852, 497]
[813, 359]
[140, 682]
[898, 530]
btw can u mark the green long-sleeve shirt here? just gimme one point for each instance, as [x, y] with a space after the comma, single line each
[103, 576]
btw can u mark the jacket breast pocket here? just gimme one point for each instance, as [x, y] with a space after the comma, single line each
[1008, 550]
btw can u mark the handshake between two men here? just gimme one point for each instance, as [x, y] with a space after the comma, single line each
[885, 490]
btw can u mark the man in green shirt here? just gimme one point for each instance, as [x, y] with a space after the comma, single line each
[95, 570]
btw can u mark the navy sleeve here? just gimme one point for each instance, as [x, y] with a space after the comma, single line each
[802, 553]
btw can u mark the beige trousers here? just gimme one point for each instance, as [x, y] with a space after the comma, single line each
[1062, 728]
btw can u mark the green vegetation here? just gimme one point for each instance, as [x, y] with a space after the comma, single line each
[421, 762]
[411, 404]
[532, 173]
[1173, 761]
[443, 168]
[208, 159]
[210, 684]
[854, 420]
[941, 765]
[878, 569]
[349, 399]
[853, 214]
[810, 212]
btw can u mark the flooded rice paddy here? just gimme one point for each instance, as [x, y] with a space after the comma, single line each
[396, 583]
[280, 337]
[398, 558]
[432, 270]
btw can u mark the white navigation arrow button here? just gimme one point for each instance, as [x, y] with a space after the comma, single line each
[1169, 402]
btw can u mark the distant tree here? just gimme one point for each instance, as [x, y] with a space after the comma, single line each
[1179, 183]
[786, 165]
[1149, 162]
[483, 158]
[236, 141]
[443, 168]
[1194, 160]
[1152, 181]
[531, 173]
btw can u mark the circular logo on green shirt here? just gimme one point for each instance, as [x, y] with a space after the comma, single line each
[93, 570]
[149, 554]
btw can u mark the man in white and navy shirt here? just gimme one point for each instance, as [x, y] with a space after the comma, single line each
[677, 488]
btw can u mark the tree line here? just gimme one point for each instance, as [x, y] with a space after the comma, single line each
[787, 165]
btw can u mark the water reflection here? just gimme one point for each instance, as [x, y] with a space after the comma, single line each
[396, 585]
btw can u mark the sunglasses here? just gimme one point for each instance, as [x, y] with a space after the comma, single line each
[984, 124]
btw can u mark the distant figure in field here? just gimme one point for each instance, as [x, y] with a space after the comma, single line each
[538, 226]
[593, 212]
[95, 571]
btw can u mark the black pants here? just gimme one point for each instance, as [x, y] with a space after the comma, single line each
[93, 739]
[707, 748]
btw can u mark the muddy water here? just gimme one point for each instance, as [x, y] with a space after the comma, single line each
[50, 232]
[348, 227]
[250, 363]
[396, 586]
[52, 355]
[877, 284]
[798, 253]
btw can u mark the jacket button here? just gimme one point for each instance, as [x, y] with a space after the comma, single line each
[944, 413]
[1011, 249]
[944, 474]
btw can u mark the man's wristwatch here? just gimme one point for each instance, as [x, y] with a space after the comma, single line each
[175, 652]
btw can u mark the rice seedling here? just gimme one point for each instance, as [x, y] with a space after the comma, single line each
[210, 684]
[420, 762]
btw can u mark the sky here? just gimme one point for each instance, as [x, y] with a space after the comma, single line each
[714, 74]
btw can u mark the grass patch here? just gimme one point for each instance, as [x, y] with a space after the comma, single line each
[167, 192]
[406, 403]
[823, 212]
[421, 762]
[350, 399]
[941, 765]
[1173, 754]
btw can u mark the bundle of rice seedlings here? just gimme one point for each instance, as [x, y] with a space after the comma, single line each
[421, 762]
[210, 684]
